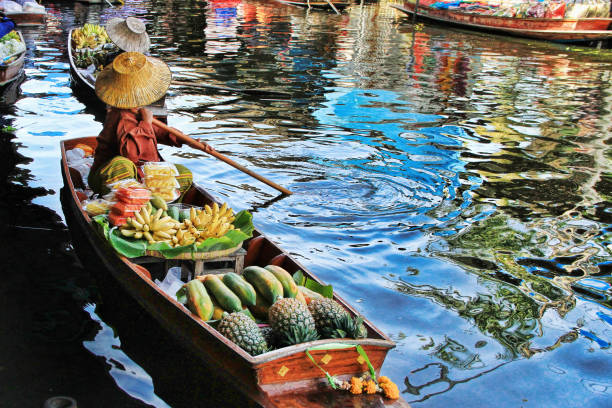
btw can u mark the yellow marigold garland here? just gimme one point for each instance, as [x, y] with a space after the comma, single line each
[356, 385]
[390, 390]
[369, 387]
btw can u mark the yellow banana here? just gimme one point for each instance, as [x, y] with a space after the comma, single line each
[148, 237]
[128, 232]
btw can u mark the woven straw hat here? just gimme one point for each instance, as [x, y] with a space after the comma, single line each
[133, 80]
[129, 34]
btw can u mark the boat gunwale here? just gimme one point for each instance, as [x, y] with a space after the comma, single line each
[74, 68]
[254, 361]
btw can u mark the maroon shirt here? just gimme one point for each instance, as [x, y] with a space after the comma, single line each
[125, 135]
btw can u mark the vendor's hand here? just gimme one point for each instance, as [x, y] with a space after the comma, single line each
[146, 115]
[207, 148]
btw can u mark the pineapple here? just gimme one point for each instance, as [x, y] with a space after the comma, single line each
[292, 321]
[332, 321]
[244, 332]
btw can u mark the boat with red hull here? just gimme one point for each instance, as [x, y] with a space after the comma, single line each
[551, 29]
[283, 377]
[25, 19]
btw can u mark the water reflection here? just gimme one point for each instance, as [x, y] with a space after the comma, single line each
[453, 186]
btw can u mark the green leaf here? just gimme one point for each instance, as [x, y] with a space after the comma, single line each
[325, 290]
[299, 278]
[181, 295]
[131, 248]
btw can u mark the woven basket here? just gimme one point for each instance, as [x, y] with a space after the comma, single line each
[198, 255]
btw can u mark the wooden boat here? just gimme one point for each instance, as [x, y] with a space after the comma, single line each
[318, 4]
[86, 88]
[552, 29]
[25, 19]
[283, 377]
[11, 71]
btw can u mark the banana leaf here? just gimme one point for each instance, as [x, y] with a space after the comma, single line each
[132, 248]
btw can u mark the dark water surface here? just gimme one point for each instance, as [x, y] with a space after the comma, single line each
[454, 186]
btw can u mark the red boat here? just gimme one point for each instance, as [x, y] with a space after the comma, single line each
[551, 29]
[25, 19]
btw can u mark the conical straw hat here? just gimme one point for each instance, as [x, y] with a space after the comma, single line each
[133, 80]
[129, 34]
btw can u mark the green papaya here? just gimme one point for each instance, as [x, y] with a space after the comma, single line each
[265, 282]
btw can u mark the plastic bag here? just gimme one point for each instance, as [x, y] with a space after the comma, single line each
[536, 11]
[125, 183]
[159, 169]
[96, 207]
[32, 7]
[10, 6]
[133, 195]
[555, 9]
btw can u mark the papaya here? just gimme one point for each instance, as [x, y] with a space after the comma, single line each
[159, 202]
[260, 309]
[198, 300]
[309, 294]
[300, 297]
[173, 212]
[223, 295]
[265, 282]
[243, 289]
[290, 288]
[217, 310]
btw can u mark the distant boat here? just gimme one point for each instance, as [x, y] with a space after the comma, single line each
[11, 71]
[318, 4]
[551, 29]
[28, 19]
[86, 86]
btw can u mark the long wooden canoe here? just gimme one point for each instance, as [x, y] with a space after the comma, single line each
[318, 4]
[11, 71]
[551, 29]
[283, 377]
[86, 88]
[24, 19]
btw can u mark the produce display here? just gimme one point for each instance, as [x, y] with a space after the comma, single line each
[10, 46]
[160, 178]
[526, 8]
[90, 36]
[91, 47]
[259, 295]
[155, 223]
[292, 316]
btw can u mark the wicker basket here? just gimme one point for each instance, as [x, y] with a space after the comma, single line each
[198, 255]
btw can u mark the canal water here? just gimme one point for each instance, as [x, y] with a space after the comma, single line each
[454, 186]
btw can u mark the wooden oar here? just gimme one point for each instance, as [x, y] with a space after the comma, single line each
[332, 6]
[256, 92]
[197, 145]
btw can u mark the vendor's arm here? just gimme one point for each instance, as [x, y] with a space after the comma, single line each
[162, 135]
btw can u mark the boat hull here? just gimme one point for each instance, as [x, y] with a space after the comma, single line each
[282, 375]
[551, 29]
[10, 72]
[28, 19]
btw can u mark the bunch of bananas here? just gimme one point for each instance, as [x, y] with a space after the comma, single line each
[210, 222]
[152, 227]
[90, 36]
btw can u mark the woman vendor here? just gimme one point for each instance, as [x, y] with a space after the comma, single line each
[129, 138]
